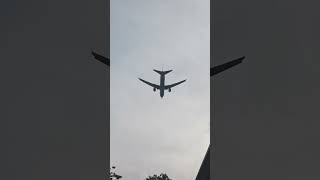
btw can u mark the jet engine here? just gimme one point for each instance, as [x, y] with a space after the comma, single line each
[169, 89]
[154, 89]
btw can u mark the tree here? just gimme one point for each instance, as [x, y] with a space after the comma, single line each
[162, 176]
[112, 174]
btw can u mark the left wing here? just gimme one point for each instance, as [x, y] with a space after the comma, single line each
[101, 58]
[150, 84]
[217, 69]
[173, 85]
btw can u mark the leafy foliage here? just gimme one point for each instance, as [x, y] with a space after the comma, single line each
[112, 175]
[162, 176]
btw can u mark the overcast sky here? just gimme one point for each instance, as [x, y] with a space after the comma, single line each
[150, 135]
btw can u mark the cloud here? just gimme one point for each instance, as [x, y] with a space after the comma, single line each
[149, 134]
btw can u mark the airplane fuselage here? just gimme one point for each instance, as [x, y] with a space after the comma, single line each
[162, 85]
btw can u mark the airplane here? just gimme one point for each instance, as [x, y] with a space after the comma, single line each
[162, 87]
[204, 171]
[101, 58]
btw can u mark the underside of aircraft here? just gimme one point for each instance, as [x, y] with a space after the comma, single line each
[162, 87]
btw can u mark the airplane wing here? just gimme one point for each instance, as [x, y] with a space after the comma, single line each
[204, 171]
[150, 84]
[174, 84]
[101, 58]
[217, 69]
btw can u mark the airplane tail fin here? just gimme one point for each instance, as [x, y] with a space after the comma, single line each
[162, 72]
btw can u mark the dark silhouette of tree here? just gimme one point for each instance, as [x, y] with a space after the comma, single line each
[162, 176]
[111, 174]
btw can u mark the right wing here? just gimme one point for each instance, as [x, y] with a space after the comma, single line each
[150, 84]
[217, 69]
[174, 84]
[101, 58]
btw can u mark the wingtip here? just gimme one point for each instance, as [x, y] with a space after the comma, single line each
[93, 53]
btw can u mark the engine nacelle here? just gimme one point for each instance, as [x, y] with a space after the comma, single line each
[169, 89]
[154, 89]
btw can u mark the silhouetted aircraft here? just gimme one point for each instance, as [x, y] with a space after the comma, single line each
[101, 58]
[217, 69]
[162, 87]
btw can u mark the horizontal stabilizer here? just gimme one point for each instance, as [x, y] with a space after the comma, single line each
[162, 72]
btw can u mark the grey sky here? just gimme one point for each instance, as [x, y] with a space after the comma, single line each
[148, 134]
